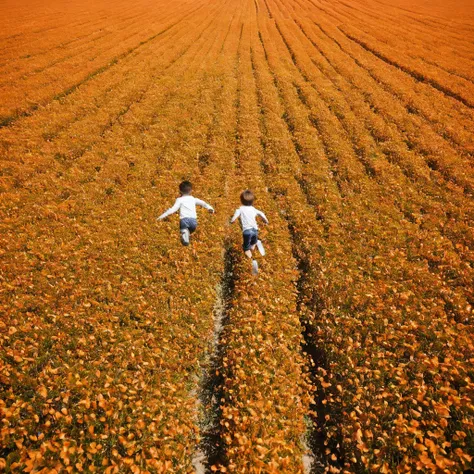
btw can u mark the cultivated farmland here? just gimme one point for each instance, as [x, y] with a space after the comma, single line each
[353, 349]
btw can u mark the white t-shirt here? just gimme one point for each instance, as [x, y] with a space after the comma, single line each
[187, 207]
[248, 217]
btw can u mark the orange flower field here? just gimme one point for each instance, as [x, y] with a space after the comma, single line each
[352, 351]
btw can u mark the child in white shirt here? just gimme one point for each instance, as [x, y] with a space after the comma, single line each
[248, 219]
[186, 204]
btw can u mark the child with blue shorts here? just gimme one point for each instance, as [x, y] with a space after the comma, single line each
[186, 204]
[248, 219]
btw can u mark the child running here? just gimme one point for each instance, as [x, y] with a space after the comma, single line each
[187, 211]
[248, 219]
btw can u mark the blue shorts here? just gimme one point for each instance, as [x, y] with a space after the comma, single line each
[188, 223]
[250, 238]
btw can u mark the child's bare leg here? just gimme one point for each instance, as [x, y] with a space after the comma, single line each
[248, 253]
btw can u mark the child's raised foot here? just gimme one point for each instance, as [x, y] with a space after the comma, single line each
[261, 248]
[185, 237]
[254, 267]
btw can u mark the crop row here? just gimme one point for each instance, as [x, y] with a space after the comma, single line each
[263, 392]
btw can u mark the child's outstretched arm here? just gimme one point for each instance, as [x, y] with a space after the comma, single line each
[235, 216]
[170, 211]
[262, 215]
[204, 204]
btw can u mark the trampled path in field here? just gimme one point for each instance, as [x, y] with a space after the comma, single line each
[122, 351]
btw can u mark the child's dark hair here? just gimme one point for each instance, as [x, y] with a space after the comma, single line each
[247, 198]
[185, 187]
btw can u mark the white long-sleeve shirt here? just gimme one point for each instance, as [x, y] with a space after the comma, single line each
[186, 206]
[248, 217]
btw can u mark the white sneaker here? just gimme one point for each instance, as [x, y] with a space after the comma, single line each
[254, 267]
[261, 248]
[185, 237]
